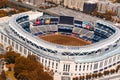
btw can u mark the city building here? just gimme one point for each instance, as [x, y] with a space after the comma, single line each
[67, 62]
[39, 2]
[33, 2]
[103, 6]
[89, 6]
[81, 5]
[118, 11]
[55, 1]
[75, 4]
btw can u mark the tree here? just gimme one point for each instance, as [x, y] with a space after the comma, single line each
[118, 21]
[95, 13]
[6, 3]
[106, 72]
[82, 77]
[75, 78]
[100, 74]
[3, 76]
[118, 1]
[1, 56]
[23, 64]
[9, 48]
[12, 12]
[23, 76]
[3, 3]
[27, 68]
[32, 57]
[11, 56]
[117, 68]
[108, 14]
[88, 76]
[20, 1]
[3, 13]
[95, 75]
[112, 71]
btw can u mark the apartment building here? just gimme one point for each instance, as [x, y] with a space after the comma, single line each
[33, 2]
[75, 4]
[104, 6]
[55, 1]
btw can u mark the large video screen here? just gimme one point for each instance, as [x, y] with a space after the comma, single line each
[66, 20]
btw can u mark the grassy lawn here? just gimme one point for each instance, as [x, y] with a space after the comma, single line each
[10, 74]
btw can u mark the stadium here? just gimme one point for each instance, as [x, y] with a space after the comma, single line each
[71, 48]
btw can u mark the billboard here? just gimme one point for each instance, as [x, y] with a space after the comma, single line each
[66, 20]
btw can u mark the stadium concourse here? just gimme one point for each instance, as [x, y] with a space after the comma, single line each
[23, 32]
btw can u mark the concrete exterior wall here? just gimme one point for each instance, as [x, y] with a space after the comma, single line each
[64, 70]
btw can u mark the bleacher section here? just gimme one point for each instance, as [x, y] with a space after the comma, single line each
[43, 29]
[24, 22]
[89, 34]
[65, 29]
[102, 32]
[54, 20]
[22, 19]
[78, 23]
[80, 29]
[76, 30]
[83, 31]
[53, 28]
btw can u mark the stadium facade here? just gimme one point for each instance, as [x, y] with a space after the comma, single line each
[66, 62]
